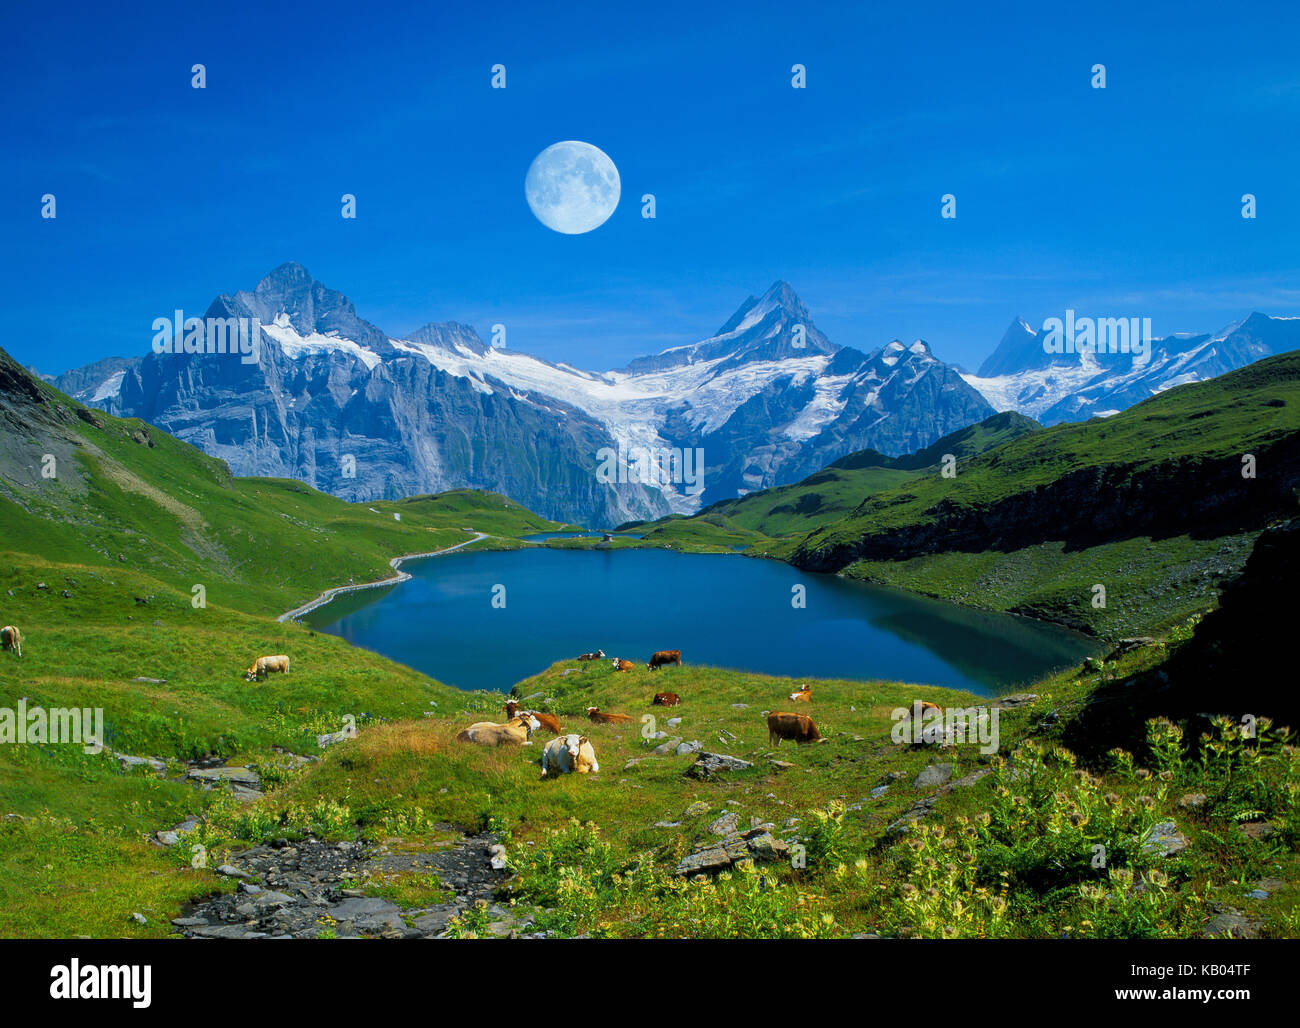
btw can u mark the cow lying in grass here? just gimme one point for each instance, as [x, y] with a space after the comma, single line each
[518, 731]
[665, 699]
[595, 715]
[548, 721]
[568, 754]
[799, 727]
[263, 666]
[804, 695]
[623, 665]
[592, 656]
[11, 639]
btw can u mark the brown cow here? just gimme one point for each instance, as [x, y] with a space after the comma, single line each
[663, 657]
[606, 719]
[665, 699]
[799, 727]
[548, 721]
[623, 665]
[804, 695]
[592, 656]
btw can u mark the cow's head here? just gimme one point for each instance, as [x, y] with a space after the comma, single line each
[573, 743]
[512, 708]
[600, 653]
[530, 723]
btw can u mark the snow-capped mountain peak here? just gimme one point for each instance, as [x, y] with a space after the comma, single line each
[1020, 376]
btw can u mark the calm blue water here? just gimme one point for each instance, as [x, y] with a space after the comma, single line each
[718, 609]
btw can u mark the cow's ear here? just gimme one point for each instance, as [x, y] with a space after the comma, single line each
[582, 739]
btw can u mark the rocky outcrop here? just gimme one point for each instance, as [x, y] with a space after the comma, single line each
[709, 765]
[757, 844]
[300, 891]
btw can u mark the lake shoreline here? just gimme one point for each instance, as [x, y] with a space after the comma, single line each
[396, 563]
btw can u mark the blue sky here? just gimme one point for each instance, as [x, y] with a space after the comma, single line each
[1117, 202]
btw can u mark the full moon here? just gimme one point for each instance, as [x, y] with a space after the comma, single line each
[572, 187]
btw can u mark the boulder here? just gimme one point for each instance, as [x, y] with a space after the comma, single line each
[726, 824]
[1164, 839]
[709, 764]
[713, 859]
[233, 775]
[933, 776]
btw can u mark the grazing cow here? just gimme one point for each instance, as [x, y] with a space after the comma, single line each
[548, 721]
[11, 639]
[518, 731]
[568, 754]
[798, 727]
[623, 665]
[598, 655]
[595, 715]
[658, 660]
[263, 666]
[804, 695]
[665, 699]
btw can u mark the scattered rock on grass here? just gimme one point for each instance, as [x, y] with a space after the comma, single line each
[709, 764]
[1164, 839]
[933, 776]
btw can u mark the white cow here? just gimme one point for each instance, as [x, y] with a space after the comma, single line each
[566, 754]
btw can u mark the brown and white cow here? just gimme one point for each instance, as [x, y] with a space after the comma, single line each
[11, 639]
[548, 721]
[600, 718]
[263, 666]
[598, 655]
[623, 665]
[799, 727]
[665, 699]
[804, 695]
[665, 657]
